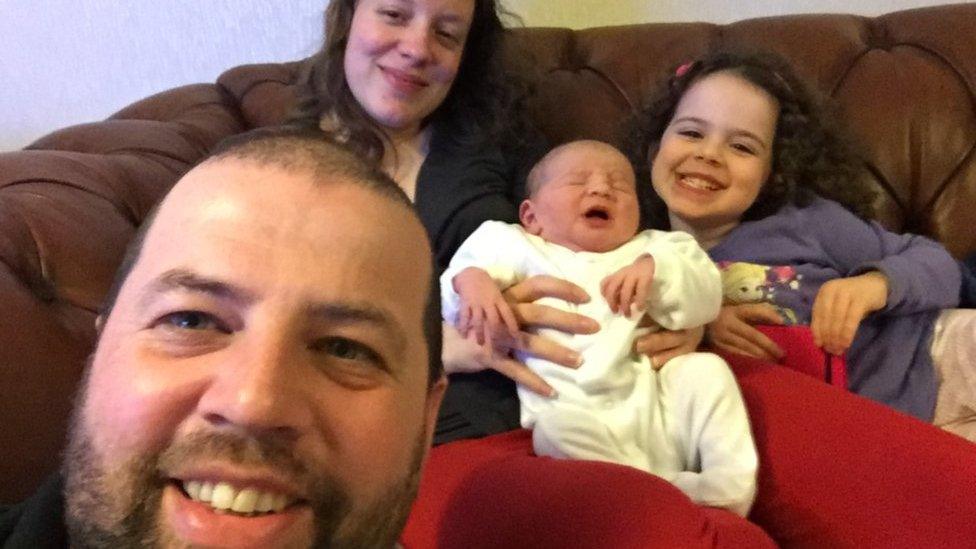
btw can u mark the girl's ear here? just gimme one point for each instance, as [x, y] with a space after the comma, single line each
[528, 218]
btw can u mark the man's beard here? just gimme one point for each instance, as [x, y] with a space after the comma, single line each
[120, 506]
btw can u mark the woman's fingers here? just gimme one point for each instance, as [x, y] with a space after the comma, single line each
[521, 374]
[547, 349]
[531, 315]
[540, 286]
[508, 318]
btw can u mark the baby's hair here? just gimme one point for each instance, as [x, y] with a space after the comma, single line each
[809, 151]
[536, 177]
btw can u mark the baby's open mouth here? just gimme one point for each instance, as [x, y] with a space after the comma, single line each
[597, 213]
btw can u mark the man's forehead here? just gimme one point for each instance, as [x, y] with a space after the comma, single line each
[264, 220]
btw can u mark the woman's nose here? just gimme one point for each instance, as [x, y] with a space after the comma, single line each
[415, 43]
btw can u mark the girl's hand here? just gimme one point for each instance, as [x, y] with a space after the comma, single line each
[733, 331]
[462, 355]
[626, 290]
[842, 304]
[662, 346]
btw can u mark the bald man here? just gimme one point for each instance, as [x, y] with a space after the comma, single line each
[267, 372]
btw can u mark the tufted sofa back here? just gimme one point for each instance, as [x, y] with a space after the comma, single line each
[70, 202]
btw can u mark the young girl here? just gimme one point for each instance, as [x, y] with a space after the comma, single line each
[741, 157]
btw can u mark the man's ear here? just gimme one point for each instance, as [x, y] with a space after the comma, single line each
[528, 218]
[435, 394]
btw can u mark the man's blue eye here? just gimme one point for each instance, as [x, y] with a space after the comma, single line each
[346, 349]
[190, 320]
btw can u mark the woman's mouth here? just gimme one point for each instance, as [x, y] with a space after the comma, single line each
[403, 81]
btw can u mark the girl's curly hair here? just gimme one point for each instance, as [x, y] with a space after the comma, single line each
[810, 153]
[477, 108]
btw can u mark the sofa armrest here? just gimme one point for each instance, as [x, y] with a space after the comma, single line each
[68, 206]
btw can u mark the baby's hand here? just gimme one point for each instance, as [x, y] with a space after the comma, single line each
[842, 304]
[627, 289]
[483, 310]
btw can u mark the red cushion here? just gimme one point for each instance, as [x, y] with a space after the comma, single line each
[493, 493]
[838, 470]
[803, 355]
[835, 470]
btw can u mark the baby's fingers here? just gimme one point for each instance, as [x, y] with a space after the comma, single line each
[628, 290]
[508, 318]
[610, 287]
[642, 291]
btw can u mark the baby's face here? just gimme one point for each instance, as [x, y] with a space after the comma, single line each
[587, 199]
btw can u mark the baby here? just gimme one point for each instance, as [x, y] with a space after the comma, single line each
[685, 422]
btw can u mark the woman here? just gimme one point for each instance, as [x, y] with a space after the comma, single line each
[419, 87]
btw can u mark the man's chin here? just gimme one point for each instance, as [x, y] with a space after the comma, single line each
[198, 524]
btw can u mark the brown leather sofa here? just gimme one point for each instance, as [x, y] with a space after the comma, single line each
[906, 82]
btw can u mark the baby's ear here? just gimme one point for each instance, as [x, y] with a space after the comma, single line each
[528, 218]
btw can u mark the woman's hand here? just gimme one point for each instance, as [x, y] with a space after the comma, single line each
[842, 304]
[464, 355]
[664, 345]
[733, 331]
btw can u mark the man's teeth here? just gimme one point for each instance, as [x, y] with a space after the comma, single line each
[224, 497]
[699, 183]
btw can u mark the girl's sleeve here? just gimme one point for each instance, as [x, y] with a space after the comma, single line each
[921, 274]
[687, 288]
[493, 247]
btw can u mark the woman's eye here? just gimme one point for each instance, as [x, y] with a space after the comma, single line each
[192, 320]
[694, 134]
[391, 15]
[448, 36]
[346, 349]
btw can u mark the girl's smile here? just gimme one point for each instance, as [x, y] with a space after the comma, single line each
[715, 155]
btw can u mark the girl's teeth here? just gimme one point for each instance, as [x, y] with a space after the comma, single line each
[698, 183]
[225, 497]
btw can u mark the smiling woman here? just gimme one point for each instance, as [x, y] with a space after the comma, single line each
[418, 87]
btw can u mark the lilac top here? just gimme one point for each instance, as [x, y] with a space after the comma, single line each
[794, 251]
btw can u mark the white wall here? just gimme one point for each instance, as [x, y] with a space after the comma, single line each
[64, 62]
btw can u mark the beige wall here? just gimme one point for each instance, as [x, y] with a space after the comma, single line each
[594, 13]
[71, 61]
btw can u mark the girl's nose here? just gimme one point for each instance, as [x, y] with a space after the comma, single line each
[708, 151]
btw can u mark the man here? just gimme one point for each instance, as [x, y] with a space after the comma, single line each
[267, 373]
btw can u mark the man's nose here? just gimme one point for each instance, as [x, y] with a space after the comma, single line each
[258, 390]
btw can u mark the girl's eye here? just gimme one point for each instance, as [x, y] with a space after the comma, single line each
[694, 134]
[347, 349]
[743, 148]
[192, 320]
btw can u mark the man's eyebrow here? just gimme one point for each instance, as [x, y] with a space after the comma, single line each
[360, 313]
[184, 279]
